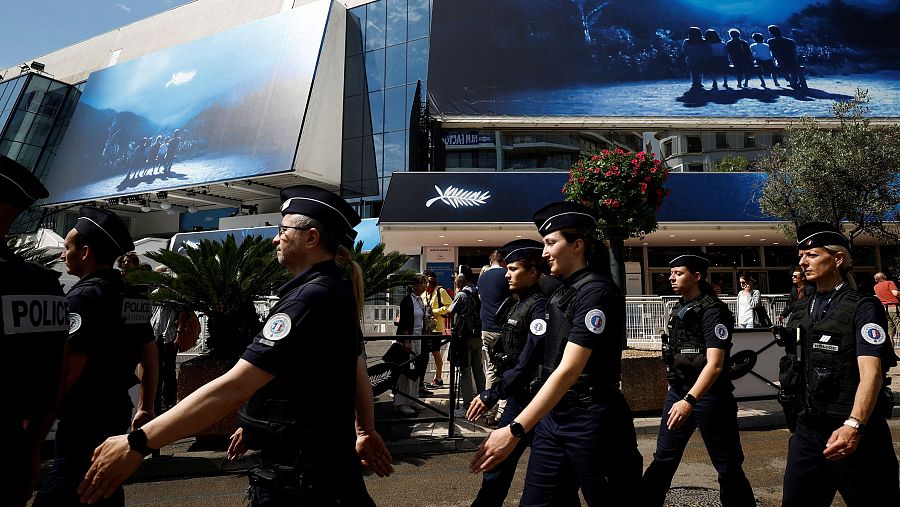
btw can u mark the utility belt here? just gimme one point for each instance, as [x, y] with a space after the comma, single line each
[585, 389]
[277, 477]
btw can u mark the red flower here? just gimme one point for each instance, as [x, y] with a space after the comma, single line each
[581, 179]
[615, 204]
[643, 188]
[652, 169]
[607, 201]
[608, 173]
[659, 191]
[595, 157]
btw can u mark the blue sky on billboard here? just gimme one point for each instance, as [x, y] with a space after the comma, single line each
[32, 28]
[643, 58]
[224, 107]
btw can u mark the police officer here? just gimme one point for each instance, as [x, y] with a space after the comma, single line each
[517, 351]
[700, 394]
[33, 325]
[305, 432]
[842, 441]
[109, 334]
[583, 430]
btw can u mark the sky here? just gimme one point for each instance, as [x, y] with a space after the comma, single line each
[32, 28]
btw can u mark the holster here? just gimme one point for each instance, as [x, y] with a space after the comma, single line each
[790, 395]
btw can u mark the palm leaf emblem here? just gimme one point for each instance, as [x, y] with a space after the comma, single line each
[457, 197]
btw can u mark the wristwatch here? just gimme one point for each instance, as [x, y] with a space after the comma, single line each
[855, 424]
[137, 442]
[517, 429]
[690, 399]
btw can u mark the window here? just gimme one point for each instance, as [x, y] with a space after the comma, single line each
[667, 150]
[721, 141]
[749, 140]
[694, 145]
[695, 167]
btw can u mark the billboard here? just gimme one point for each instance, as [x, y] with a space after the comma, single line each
[224, 107]
[662, 58]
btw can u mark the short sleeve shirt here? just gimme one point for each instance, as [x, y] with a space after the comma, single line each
[717, 322]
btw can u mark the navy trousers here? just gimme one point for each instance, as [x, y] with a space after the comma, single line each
[334, 481]
[716, 416]
[866, 477]
[589, 445]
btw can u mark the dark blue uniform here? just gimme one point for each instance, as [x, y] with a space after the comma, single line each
[697, 325]
[588, 439]
[110, 324]
[837, 327]
[33, 326]
[312, 336]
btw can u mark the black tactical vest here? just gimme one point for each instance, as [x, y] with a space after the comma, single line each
[514, 330]
[829, 360]
[687, 339]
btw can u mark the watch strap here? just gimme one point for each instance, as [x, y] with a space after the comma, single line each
[137, 442]
[517, 429]
[690, 399]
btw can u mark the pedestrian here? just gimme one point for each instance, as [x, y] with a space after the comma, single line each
[700, 393]
[740, 56]
[305, 433]
[887, 293]
[717, 65]
[747, 301]
[842, 441]
[34, 326]
[800, 290]
[518, 351]
[465, 341]
[411, 322]
[165, 324]
[109, 335]
[493, 289]
[784, 50]
[765, 62]
[583, 430]
[438, 302]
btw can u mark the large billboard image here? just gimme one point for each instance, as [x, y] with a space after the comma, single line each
[225, 107]
[663, 58]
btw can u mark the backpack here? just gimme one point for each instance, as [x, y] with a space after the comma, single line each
[467, 320]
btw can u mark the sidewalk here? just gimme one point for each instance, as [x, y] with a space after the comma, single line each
[188, 458]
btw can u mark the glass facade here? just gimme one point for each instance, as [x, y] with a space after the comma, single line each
[386, 55]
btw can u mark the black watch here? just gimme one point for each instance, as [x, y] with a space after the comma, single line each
[137, 442]
[690, 399]
[517, 429]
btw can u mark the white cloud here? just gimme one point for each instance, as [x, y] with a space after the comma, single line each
[124, 7]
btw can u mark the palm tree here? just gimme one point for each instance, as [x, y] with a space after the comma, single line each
[220, 280]
[27, 249]
[382, 271]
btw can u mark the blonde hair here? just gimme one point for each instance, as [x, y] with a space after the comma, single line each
[344, 259]
[846, 266]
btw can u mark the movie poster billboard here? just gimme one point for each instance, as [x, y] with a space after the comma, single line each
[663, 58]
[224, 107]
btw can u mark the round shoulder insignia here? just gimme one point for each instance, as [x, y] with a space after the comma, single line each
[538, 327]
[277, 327]
[721, 331]
[873, 333]
[595, 321]
[74, 322]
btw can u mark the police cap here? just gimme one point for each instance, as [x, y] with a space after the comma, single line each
[521, 249]
[696, 263]
[18, 187]
[564, 215]
[103, 230]
[323, 206]
[816, 234]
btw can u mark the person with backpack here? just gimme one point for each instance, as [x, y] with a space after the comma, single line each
[465, 338]
[437, 304]
[517, 352]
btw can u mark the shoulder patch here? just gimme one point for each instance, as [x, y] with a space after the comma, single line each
[277, 327]
[721, 331]
[74, 322]
[538, 327]
[873, 333]
[595, 321]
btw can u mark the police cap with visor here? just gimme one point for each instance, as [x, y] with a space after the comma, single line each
[103, 230]
[18, 187]
[323, 206]
[817, 234]
[521, 249]
[695, 263]
[564, 215]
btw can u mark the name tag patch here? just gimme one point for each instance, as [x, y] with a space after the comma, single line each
[825, 346]
[277, 327]
[595, 321]
[690, 351]
[34, 314]
[538, 327]
[873, 333]
[136, 311]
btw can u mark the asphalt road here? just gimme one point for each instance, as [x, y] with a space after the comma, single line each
[444, 481]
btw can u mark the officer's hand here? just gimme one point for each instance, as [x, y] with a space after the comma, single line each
[678, 414]
[373, 454]
[113, 462]
[237, 447]
[476, 409]
[842, 443]
[495, 448]
[141, 417]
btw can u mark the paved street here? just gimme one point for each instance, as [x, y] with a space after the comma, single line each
[443, 480]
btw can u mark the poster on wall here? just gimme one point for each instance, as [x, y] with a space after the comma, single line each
[220, 108]
[663, 58]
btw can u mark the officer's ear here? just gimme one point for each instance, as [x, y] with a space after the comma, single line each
[313, 238]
